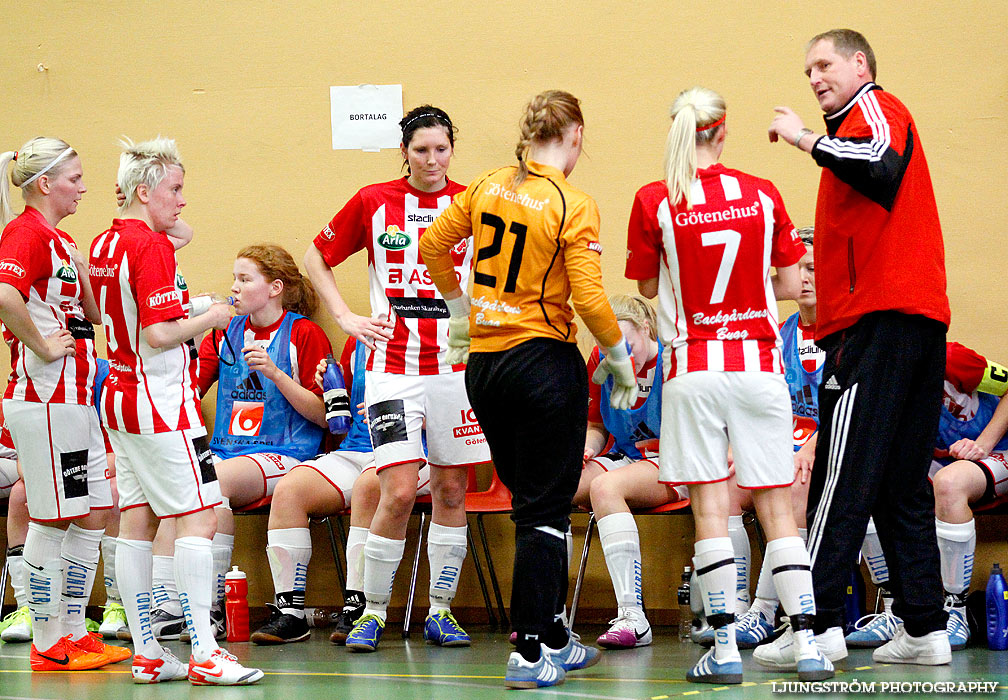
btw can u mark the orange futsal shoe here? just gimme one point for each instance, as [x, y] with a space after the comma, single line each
[64, 655]
[93, 643]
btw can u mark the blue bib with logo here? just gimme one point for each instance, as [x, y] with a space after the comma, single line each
[358, 438]
[802, 384]
[951, 429]
[633, 425]
[252, 415]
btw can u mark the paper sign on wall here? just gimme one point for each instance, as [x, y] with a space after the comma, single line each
[366, 116]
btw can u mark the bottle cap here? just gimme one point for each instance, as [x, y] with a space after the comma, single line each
[235, 573]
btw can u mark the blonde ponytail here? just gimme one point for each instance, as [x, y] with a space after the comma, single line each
[696, 114]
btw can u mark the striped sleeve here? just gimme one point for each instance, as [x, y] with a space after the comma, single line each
[873, 155]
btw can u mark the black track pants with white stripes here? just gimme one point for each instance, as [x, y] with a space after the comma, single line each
[878, 416]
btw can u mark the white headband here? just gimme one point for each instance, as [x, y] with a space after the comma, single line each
[44, 170]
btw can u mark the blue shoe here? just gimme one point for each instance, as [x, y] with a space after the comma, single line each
[366, 634]
[752, 629]
[872, 631]
[525, 674]
[818, 668]
[957, 628]
[574, 656]
[710, 670]
[443, 629]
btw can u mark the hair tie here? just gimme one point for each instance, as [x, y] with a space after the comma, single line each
[46, 169]
[719, 122]
[15, 156]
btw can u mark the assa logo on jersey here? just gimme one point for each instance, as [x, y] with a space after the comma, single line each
[11, 267]
[394, 238]
[162, 299]
[246, 418]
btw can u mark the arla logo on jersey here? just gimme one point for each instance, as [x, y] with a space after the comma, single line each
[67, 273]
[394, 238]
[180, 282]
[246, 418]
[11, 267]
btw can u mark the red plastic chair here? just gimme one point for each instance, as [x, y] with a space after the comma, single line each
[496, 500]
[673, 507]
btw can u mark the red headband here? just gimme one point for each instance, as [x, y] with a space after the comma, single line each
[719, 122]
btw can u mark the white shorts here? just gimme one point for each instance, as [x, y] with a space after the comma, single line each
[171, 472]
[8, 476]
[341, 469]
[401, 408]
[271, 465]
[614, 460]
[62, 456]
[996, 467]
[705, 411]
[423, 479]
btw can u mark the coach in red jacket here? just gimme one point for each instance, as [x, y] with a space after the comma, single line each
[883, 314]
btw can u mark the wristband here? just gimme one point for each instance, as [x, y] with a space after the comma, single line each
[619, 351]
[458, 307]
[802, 133]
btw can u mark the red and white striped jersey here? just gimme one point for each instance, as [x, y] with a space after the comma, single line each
[716, 306]
[137, 283]
[388, 220]
[37, 260]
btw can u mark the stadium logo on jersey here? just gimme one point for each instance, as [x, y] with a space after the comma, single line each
[67, 273]
[164, 298]
[596, 246]
[180, 282]
[11, 267]
[394, 238]
[246, 418]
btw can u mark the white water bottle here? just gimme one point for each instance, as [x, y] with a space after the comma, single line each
[199, 305]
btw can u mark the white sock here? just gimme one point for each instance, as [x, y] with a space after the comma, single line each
[43, 568]
[743, 558]
[715, 563]
[792, 576]
[446, 550]
[221, 549]
[956, 542]
[194, 577]
[621, 548]
[163, 586]
[356, 538]
[381, 559]
[289, 550]
[134, 558]
[871, 550]
[108, 550]
[15, 566]
[80, 553]
[766, 595]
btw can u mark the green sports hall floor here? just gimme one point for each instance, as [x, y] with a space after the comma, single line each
[411, 669]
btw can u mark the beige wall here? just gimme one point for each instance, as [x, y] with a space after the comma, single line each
[243, 86]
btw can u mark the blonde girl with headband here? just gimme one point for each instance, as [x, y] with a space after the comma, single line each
[410, 382]
[626, 476]
[538, 261]
[47, 308]
[702, 240]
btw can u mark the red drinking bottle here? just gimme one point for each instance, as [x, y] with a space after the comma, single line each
[236, 605]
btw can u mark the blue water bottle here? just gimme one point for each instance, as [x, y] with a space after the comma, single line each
[997, 610]
[337, 401]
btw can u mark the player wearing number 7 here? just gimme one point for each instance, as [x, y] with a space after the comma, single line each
[537, 254]
[703, 240]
